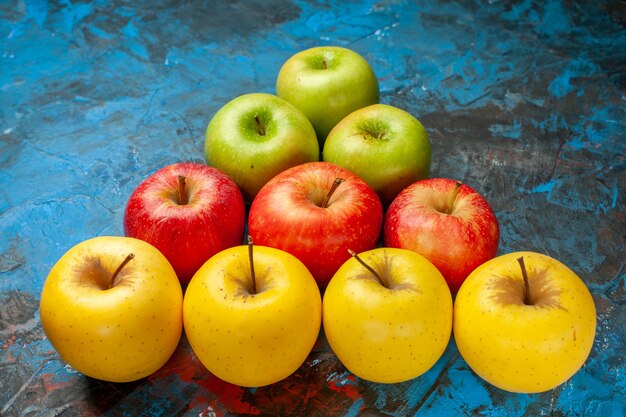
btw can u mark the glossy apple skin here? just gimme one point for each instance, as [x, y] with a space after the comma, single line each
[286, 214]
[120, 334]
[524, 348]
[252, 339]
[234, 146]
[384, 145]
[388, 334]
[327, 95]
[455, 243]
[188, 235]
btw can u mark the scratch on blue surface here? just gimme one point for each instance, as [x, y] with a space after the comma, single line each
[513, 131]
[547, 187]
[354, 409]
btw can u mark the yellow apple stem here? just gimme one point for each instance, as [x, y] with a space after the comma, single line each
[333, 187]
[119, 268]
[457, 188]
[251, 259]
[526, 285]
[369, 268]
[259, 125]
[182, 190]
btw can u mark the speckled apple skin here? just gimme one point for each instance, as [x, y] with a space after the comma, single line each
[518, 347]
[120, 334]
[388, 334]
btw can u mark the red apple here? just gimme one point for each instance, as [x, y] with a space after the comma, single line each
[294, 212]
[189, 212]
[447, 222]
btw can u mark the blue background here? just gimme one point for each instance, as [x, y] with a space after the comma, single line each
[523, 101]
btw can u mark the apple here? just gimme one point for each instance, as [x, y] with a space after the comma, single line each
[327, 83]
[255, 136]
[384, 145]
[112, 308]
[448, 222]
[524, 322]
[316, 212]
[189, 212]
[388, 315]
[252, 315]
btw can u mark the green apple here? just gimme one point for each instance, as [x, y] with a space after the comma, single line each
[524, 322]
[388, 315]
[112, 308]
[384, 145]
[252, 316]
[327, 83]
[255, 136]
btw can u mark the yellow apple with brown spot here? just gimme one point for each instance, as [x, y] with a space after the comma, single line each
[252, 314]
[388, 315]
[112, 308]
[524, 322]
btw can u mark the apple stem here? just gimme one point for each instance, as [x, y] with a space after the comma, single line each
[119, 268]
[369, 268]
[380, 135]
[259, 125]
[251, 259]
[333, 187]
[182, 190]
[457, 188]
[324, 64]
[526, 284]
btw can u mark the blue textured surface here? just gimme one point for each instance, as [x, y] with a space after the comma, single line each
[523, 100]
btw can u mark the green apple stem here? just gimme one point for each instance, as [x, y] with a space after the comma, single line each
[259, 125]
[251, 259]
[182, 190]
[457, 188]
[333, 187]
[369, 268]
[119, 268]
[522, 265]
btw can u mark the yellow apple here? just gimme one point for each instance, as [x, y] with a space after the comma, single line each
[524, 322]
[252, 316]
[388, 315]
[112, 308]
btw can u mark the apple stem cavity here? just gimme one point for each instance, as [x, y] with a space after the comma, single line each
[522, 265]
[455, 194]
[259, 125]
[251, 259]
[369, 268]
[333, 187]
[119, 269]
[182, 190]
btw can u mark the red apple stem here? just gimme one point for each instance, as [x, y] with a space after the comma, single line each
[259, 125]
[457, 188]
[182, 190]
[526, 284]
[251, 259]
[119, 268]
[330, 193]
[369, 268]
